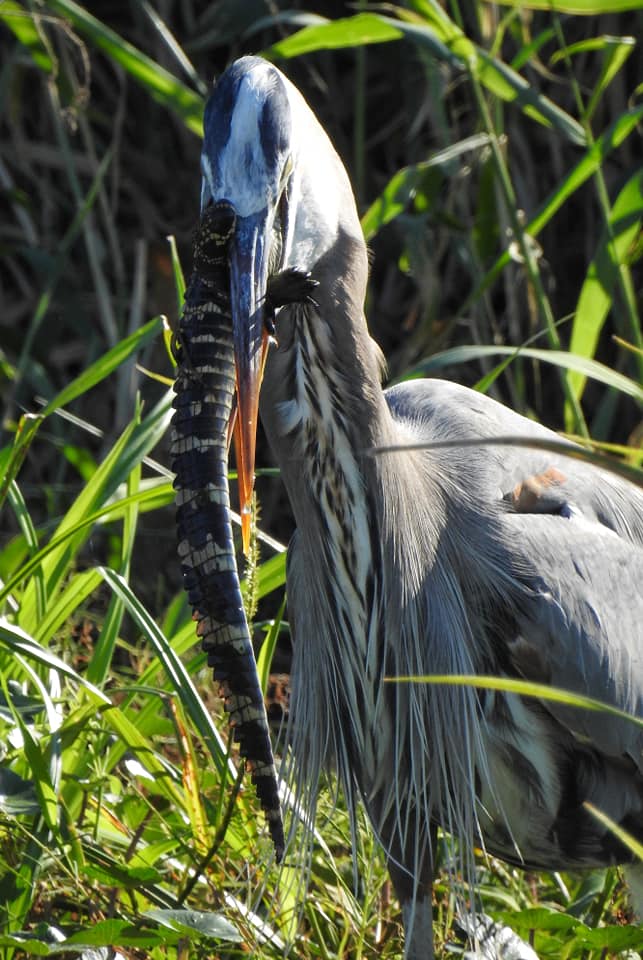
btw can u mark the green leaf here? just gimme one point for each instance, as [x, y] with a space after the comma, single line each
[626, 838]
[524, 688]
[444, 40]
[159, 82]
[560, 358]
[612, 940]
[593, 160]
[77, 590]
[362, 29]
[403, 185]
[179, 278]
[580, 7]
[13, 457]
[17, 796]
[26, 943]
[31, 537]
[105, 365]
[180, 678]
[110, 933]
[193, 922]
[616, 51]
[596, 293]
[43, 787]
[498, 77]
[19, 642]
[264, 660]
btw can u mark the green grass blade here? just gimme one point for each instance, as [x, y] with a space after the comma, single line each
[180, 679]
[444, 39]
[626, 838]
[23, 27]
[38, 765]
[596, 293]
[97, 671]
[19, 642]
[159, 82]
[403, 185]
[589, 8]
[524, 688]
[12, 457]
[362, 29]
[105, 365]
[29, 532]
[71, 599]
[135, 442]
[560, 358]
[587, 166]
[264, 660]
[561, 447]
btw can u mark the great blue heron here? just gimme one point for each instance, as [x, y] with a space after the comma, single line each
[488, 560]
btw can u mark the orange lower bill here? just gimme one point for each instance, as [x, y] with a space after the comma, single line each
[245, 439]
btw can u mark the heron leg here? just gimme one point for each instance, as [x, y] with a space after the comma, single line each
[414, 890]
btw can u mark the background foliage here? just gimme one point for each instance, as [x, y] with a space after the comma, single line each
[495, 155]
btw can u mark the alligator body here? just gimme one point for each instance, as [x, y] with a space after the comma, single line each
[205, 393]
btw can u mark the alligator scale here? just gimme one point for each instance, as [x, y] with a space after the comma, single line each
[205, 397]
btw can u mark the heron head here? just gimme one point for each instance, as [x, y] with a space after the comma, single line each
[265, 153]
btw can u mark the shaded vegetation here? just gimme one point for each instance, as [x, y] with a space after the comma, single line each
[495, 154]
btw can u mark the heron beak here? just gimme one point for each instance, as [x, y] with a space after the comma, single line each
[248, 283]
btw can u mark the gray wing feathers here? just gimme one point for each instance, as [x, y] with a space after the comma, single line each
[573, 532]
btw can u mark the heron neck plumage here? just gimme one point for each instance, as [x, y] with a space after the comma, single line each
[322, 402]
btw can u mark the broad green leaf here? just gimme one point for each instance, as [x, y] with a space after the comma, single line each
[539, 918]
[26, 943]
[112, 933]
[612, 940]
[195, 922]
[363, 28]
[596, 293]
[159, 82]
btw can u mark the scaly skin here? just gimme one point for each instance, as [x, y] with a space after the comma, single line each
[205, 387]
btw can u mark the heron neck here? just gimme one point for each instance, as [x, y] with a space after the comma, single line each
[323, 408]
